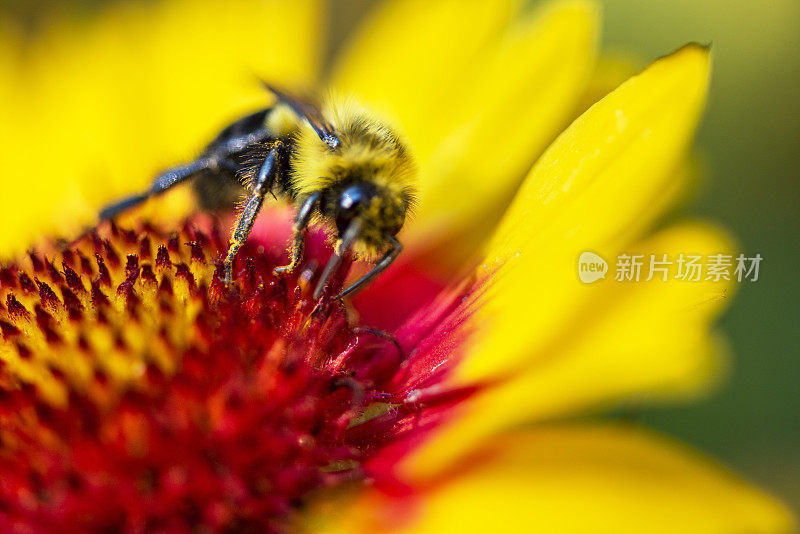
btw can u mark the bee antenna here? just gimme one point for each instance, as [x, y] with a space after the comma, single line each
[348, 238]
[307, 111]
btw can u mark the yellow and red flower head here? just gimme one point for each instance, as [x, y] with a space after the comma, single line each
[138, 385]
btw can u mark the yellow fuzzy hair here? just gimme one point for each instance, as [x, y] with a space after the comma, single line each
[367, 143]
[283, 121]
[370, 150]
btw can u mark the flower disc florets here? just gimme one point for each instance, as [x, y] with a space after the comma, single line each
[139, 393]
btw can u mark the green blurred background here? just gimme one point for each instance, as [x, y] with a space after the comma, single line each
[750, 139]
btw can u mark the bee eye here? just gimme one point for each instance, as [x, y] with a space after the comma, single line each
[352, 198]
[351, 201]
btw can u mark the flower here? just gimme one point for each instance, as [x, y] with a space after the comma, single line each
[138, 393]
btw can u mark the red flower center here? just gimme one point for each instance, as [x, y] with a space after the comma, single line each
[137, 392]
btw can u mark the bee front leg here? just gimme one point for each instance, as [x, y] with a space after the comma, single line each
[394, 250]
[299, 238]
[162, 183]
[261, 187]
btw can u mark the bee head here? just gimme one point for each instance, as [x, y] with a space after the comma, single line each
[368, 178]
[366, 218]
[378, 212]
[366, 183]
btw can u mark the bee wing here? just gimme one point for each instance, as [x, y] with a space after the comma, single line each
[309, 111]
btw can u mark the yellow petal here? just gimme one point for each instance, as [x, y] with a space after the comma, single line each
[595, 188]
[517, 95]
[578, 479]
[101, 105]
[566, 345]
[408, 59]
[642, 341]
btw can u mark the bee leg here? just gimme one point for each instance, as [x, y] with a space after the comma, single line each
[301, 221]
[261, 187]
[395, 248]
[345, 242]
[218, 158]
[383, 335]
[162, 183]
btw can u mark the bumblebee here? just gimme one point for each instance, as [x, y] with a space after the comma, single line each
[352, 174]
